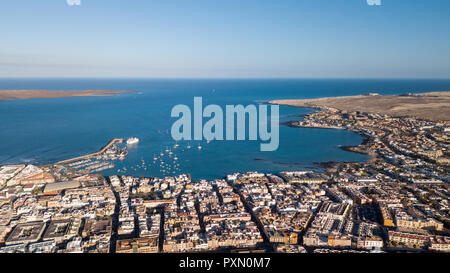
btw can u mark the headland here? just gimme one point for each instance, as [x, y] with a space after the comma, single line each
[433, 106]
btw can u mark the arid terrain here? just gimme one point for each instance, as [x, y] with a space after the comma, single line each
[431, 106]
[35, 94]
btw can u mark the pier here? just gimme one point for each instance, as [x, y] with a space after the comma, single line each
[110, 144]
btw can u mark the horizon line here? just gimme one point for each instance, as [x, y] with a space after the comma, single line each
[226, 78]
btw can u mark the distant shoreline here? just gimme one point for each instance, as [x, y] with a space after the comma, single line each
[434, 106]
[48, 94]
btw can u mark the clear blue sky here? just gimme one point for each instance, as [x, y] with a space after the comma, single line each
[225, 38]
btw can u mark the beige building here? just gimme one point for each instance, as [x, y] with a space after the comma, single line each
[338, 240]
[440, 243]
[408, 239]
[370, 242]
[138, 245]
[388, 220]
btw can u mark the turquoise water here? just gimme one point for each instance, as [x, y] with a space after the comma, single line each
[42, 131]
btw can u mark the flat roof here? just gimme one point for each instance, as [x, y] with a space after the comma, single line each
[24, 233]
[61, 186]
[58, 228]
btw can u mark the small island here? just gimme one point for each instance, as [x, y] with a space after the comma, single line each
[38, 94]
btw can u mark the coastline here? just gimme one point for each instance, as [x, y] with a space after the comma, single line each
[349, 148]
[433, 106]
[350, 105]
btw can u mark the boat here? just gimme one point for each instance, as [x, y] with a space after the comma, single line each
[132, 141]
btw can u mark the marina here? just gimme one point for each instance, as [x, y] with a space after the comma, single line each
[110, 151]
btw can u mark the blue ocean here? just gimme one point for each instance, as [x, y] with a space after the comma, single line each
[43, 131]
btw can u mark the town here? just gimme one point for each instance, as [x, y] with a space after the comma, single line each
[398, 201]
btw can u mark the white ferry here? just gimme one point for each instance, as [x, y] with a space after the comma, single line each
[132, 141]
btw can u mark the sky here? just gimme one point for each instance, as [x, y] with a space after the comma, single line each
[225, 39]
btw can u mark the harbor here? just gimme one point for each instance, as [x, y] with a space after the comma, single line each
[91, 163]
[109, 150]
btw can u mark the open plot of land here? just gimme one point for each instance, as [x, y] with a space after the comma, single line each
[35, 94]
[431, 106]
